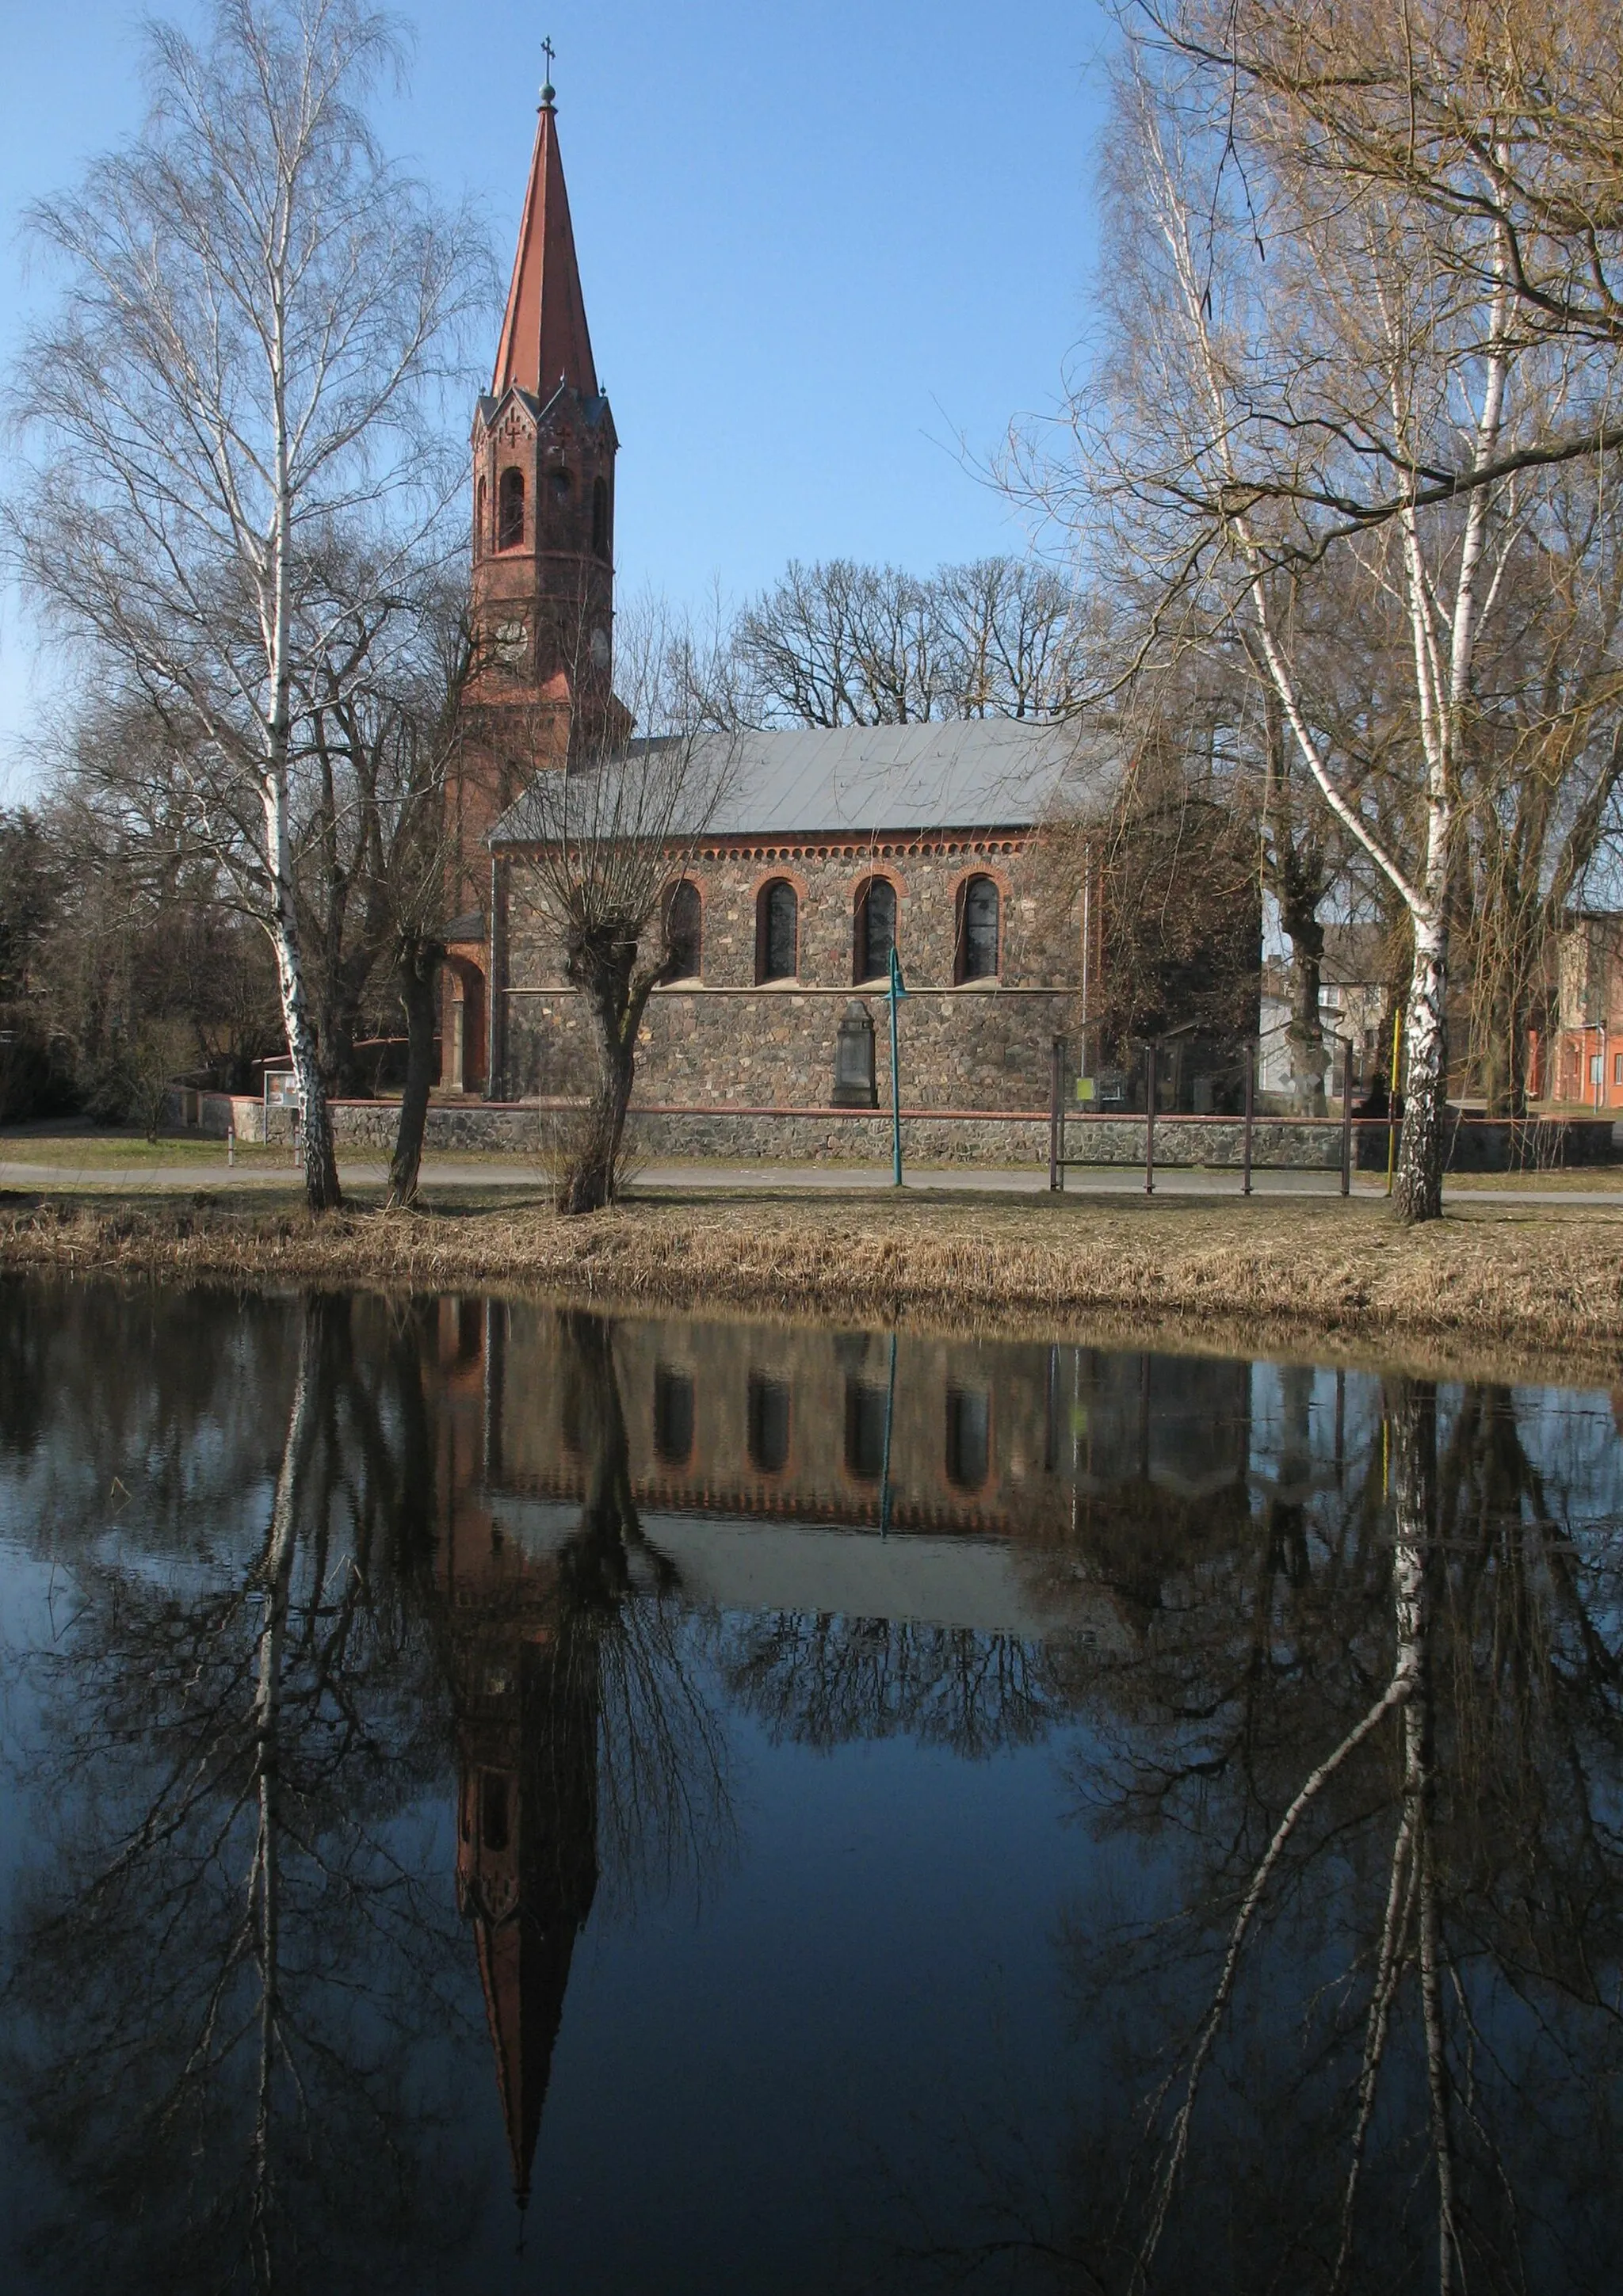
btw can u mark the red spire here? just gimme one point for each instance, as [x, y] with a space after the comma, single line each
[543, 334]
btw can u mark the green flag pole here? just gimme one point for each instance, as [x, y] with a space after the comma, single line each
[898, 989]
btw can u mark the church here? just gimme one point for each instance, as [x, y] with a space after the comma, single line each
[833, 849]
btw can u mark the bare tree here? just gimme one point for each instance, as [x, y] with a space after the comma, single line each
[1365, 397]
[1504, 113]
[1546, 771]
[381, 721]
[260, 308]
[610, 834]
[144, 966]
[1016, 636]
[841, 643]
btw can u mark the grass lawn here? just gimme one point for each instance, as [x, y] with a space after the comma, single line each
[115, 1146]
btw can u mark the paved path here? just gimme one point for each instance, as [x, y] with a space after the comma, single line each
[1022, 1180]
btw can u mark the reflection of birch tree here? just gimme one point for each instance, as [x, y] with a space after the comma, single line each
[1457, 1986]
[1364, 2014]
[220, 2007]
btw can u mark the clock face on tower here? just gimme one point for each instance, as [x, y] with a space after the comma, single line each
[600, 649]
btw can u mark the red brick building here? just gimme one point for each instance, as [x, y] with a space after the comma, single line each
[834, 845]
[543, 574]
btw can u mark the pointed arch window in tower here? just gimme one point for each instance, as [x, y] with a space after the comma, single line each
[600, 531]
[481, 507]
[510, 512]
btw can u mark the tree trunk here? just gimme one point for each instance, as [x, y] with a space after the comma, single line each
[322, 1192]
[1305, 1032]
[1419, 1190]
[591, 1180]
[418, 980]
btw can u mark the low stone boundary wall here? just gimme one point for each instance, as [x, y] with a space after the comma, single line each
[835, 1137]
[1184, 1142]
[949, 1136]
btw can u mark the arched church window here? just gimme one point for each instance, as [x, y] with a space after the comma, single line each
[510, 510]
[978, 930]
[480, 536]
[495, 1823]
[777, 931]
[769, 1423]
[969, 1437]
[875, 933]
[867, 1411]
[600, 539]
[673, 1416]
[684, 931]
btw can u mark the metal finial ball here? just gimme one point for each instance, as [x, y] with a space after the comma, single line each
[549, 93]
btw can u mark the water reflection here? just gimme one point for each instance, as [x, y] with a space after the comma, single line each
[375, 1656]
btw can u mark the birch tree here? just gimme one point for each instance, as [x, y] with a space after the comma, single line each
[259, 306]
[1310, 375]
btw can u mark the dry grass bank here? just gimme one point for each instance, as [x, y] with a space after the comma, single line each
[1487, 1290]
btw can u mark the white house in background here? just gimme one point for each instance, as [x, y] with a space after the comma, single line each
[1352, 994]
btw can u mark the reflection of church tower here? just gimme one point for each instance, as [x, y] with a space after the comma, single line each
[543, 575]
[527, 1843]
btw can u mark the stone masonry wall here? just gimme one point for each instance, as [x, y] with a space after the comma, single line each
[721, 1040]
[840, 1136]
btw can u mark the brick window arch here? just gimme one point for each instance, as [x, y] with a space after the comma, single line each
[977, 944]
[777, 931]
[684, 930]
[873, 929]
[510, 510]
[600, 519]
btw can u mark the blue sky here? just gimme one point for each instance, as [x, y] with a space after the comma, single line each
[819, 244]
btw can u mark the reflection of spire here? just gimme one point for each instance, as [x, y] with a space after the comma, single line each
[526, 1855]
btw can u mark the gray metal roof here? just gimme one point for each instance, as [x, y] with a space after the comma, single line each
[977, 772]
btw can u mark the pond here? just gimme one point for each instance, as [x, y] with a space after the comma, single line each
[499, 1798]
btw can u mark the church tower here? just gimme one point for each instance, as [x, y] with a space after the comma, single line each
[543, 452]
[543, 590]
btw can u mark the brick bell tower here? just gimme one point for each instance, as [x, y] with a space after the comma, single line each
[543, 578]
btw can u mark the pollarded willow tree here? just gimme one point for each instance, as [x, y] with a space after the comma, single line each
[241, 376]
[1318, 373]
[611, 835]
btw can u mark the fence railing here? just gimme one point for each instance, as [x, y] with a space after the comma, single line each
[1061, 1118]
[1251, 1142]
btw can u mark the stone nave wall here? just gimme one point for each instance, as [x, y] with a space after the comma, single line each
[721, 1041]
